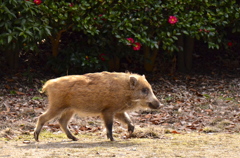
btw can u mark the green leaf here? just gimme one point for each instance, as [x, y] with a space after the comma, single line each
[168, 34]
[156, 45]
[175, 37]
[13, 92]
[10, 38]
[37, 98]
[237, 15]
[185, 32]
[9, 12]
[48, 31]
[29, 33]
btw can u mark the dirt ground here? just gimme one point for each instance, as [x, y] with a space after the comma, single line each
[169, 145]
[199, 118]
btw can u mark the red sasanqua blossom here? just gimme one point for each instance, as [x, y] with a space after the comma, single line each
[130, 40]
[172, 19]
[230, 44]
[37, 2]
[137, 46]
[101, 56]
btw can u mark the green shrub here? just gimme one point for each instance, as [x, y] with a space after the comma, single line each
[149, 23]
[21, 25]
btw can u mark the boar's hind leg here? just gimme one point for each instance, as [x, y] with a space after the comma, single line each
[63, 121]
[108, 120]
[45, 117]
[124, 117]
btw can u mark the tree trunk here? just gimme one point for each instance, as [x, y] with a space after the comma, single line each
[180, 56]
[12, 57]
[114, 64]
[185, 55]
[55, 46]
[188, 51]
[149, 58]
[55, 43]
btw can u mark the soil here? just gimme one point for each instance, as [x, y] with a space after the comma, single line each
[199, 117]
[169, 145]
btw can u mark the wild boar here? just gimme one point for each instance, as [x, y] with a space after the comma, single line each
[106, 94]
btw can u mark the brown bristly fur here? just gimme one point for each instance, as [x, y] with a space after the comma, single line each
[106, 94]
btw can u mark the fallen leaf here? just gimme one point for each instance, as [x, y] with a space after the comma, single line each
[20, 93]
[10, 80]
[175, 132]
[7, 86]
[179, 102]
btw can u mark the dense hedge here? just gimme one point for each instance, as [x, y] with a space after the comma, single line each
[107, 25]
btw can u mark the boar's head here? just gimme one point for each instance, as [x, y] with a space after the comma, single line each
[142, 92]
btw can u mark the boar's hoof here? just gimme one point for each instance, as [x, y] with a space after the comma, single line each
[130, 129]
[74, 139]
[36, 136]
[110, 137]
[70, 136]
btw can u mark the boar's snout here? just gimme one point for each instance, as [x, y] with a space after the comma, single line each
[154, 104]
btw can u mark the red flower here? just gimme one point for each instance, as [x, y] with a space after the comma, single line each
[101, 56]
[230, 44]
[130, 40]
[37, 2]
[172, 19]
[100, 15]
[205, 30]
[137, 46]
[70, 4]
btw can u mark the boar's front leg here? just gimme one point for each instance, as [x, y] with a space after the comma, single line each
[124, 117]
[108, 120]
[63, 121]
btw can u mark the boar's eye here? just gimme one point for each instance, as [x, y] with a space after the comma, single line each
[145, 91]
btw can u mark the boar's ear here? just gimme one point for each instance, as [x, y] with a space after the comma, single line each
[133, 82]
[143, 76]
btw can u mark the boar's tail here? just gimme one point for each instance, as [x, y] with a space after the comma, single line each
[44, 88]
